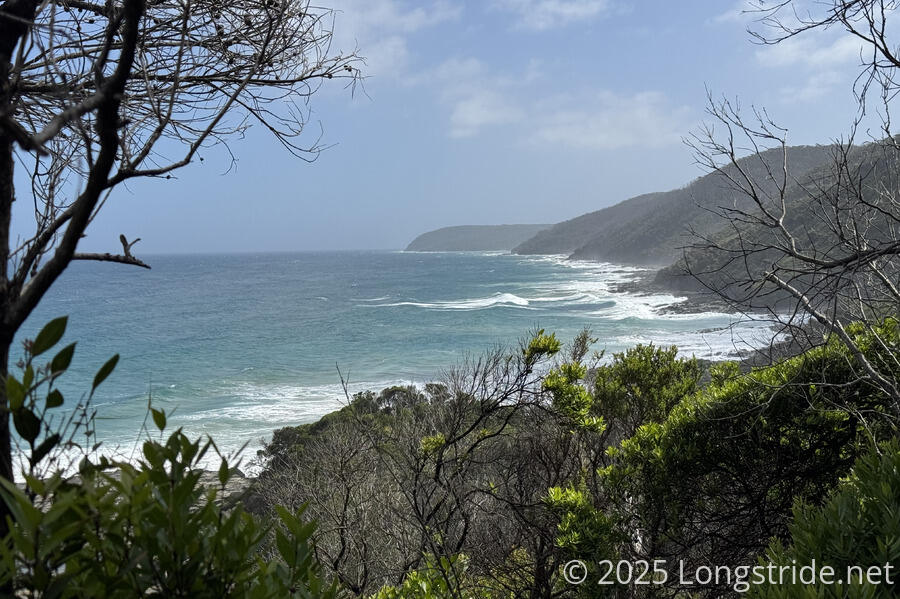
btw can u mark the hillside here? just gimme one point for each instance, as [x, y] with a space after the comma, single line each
[810, 221]
[650, 229]
[474, 238]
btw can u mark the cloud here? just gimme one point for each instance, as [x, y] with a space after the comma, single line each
[823, 62]
[478, 99]
[481, 109]
[814, 87]
[811, 51]
[741, 12]
[547, 14]
[458, 73]
[607, 121]
[379, 29]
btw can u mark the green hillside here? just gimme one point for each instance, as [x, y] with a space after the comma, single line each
[811, 223]
[650, 229]
[472, 238]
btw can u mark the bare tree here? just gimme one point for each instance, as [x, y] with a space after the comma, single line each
[822, 251]
[362, 534]
[868, 21]
[410, 479]
[94, 94]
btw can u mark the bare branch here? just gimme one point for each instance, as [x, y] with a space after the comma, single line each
[111, 258]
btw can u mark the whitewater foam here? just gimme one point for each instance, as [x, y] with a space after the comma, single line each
[496, 300]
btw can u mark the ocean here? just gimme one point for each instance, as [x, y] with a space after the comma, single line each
[236, 346]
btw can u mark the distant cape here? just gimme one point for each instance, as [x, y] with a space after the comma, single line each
[474, 238]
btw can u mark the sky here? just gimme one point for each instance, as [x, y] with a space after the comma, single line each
[490, 112]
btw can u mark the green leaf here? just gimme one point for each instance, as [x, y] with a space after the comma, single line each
[41, 451]
[35, 484]
[49, 335]
[223, 472]
[105, 371]
[54, 399]
[19, 505]
[15, 393]
[159, 418]
[62, 360]
[285, 547]
[27, 424]
[28, 377]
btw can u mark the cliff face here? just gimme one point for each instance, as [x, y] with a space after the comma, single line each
[650, 229]
[474, 238]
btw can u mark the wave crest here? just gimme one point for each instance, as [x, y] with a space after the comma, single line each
[496, 300]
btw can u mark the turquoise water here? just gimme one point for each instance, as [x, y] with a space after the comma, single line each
[238, 345]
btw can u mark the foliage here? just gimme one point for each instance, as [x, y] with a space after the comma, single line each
[584, 532]
[715, 481]
[539, 346]
[437, 579]
[146, 529]
[456, 468]
[124, 531]
[570, 398]
[642, 385]
[519, 486]
[34, 397]
[433, 443]
[639, 386]
[859, 525]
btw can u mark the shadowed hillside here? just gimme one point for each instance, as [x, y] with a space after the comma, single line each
[812, 220]
[650, 229]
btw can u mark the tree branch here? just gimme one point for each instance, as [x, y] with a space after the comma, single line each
[111, 258]
[107, 130]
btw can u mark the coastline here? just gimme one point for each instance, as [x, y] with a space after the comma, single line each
[241, 487]
[695, 302]
[237, 364]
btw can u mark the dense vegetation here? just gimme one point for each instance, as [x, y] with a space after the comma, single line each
[487, 484]
[147, 528]
[864, 178]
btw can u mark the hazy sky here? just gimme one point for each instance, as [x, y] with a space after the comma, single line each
[490, 112]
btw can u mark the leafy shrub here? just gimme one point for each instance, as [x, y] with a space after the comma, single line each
[716, 480]
[134, 530]
[641, 385]
[437, 579]
[858, 526]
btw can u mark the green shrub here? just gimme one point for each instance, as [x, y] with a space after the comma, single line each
[437, 579]
[642, 385]
[149, 529]
[858, 526]
[716, 480]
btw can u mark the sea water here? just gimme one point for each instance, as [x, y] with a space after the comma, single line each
[236, 346]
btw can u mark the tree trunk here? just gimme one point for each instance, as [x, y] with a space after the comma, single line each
[6, 469]
[7, 196]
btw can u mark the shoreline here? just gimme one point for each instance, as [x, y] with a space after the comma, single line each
[695, 302]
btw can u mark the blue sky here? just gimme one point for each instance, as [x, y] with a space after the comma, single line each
[490, 112]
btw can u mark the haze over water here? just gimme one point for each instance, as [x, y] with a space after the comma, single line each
[239, 345]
